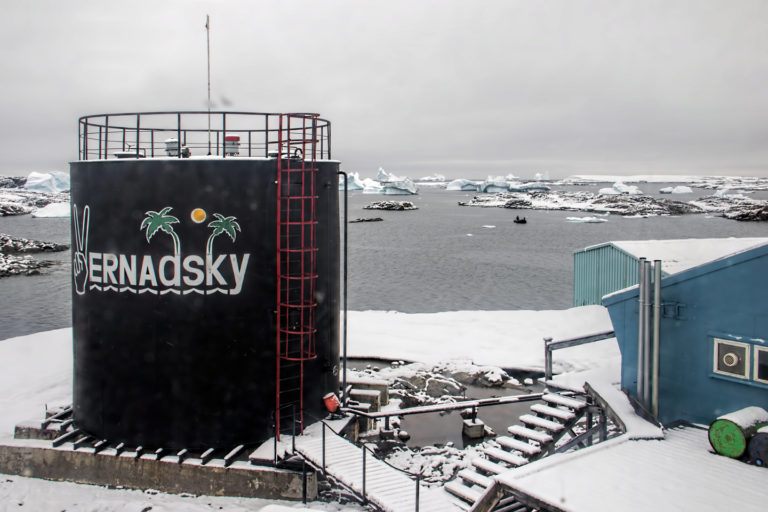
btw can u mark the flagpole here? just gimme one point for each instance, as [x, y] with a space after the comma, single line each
[208, 38]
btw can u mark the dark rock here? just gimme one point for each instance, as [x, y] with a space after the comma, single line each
[15, 265]
[366, 219]
[756, 214]
[518, 203]
[391, 205]
[12, 181]
[16, 245]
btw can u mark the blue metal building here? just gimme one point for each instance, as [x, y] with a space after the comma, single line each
[608, 267]
[713, 355]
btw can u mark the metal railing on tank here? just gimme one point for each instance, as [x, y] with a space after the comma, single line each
[184, 134]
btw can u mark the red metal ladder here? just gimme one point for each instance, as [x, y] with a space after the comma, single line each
[297, 247]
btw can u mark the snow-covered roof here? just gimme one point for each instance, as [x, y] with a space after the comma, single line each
[679, 472]
[679, 255]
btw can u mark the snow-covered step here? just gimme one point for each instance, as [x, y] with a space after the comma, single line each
[505, 456]
[565, 401]
[488, 466]
[527, 433]
[553, 412]
[462, 491]
[475, 478]
[537, 421]
[516, 444]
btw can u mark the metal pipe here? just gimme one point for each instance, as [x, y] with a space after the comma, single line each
[138, 134]
[647, 339]
[640, 327]
[365, 498]
[223, 135]
[344, 300]
[656, 337]
[178, 133]
[106, 136]
[418, 481]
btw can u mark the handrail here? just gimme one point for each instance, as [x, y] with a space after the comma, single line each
[101, 135]
[417, 477]
[464, 404]
[550, 346]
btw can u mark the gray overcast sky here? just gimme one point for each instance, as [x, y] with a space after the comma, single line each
[462, 88]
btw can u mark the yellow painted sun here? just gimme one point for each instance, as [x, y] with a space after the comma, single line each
[198, 215]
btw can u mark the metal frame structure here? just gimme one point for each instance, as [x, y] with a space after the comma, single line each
[143, 134]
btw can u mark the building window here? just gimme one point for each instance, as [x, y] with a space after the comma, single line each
[731, 358]
[761, 365]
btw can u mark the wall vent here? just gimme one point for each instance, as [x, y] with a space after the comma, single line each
[731, 358]
[761, 365]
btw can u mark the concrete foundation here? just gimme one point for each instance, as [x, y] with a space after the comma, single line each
[39, 460]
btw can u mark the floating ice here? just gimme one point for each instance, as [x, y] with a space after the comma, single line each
[587, 219]
[51, 182]
[399, 188]
[435, 178]
[465, 185]
[680, 189]
[529, 187]
[353, 182]
[392, 185]
[53, 210]
[621, 188]
[371, 186]
[494, 185]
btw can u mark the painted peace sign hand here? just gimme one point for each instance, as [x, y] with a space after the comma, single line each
[80, 260]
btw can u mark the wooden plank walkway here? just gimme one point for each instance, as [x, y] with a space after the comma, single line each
[386, 487]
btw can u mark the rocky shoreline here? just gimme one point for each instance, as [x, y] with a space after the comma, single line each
[16, 200]
[12, 265]
[736, 207]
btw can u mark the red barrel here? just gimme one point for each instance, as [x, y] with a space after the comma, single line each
[331, 402]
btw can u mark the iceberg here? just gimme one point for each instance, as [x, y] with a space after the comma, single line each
[53, 210]
[435, 178]
[529, 187]
[394, 185]
[494, 185]
[680, 189]
[620, 188]
[398, 188]
[371, 186]
[461, 184]
[383, 176]
[49, 182]
[353, 182]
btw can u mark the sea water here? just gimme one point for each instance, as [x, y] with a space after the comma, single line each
[441, 257]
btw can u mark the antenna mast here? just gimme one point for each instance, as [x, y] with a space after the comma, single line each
[208, 38]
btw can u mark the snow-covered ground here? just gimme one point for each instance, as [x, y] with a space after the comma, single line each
[36, 371]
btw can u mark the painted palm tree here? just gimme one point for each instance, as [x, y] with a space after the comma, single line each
[161, 221]
[221, 225]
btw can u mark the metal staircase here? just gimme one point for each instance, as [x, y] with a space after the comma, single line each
[296, 261]
[559, 424]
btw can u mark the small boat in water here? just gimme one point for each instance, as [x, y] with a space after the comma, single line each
[518, 220]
